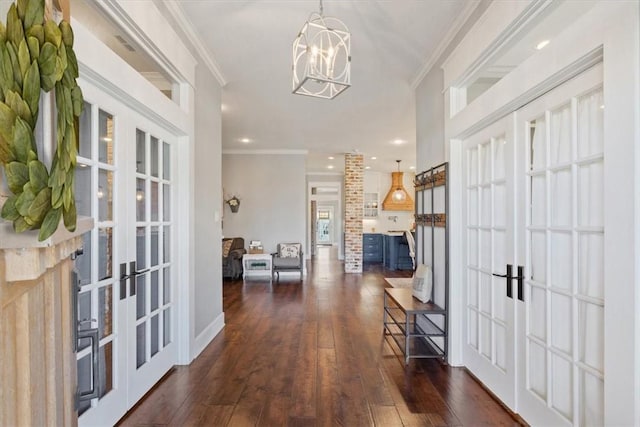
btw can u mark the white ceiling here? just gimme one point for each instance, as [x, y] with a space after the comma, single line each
[251, 41]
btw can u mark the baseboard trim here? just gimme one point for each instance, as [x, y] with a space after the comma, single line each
[207, 335]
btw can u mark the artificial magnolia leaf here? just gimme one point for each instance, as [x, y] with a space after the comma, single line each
[17, 176]
[38, 175]
[31, 91]
[68, 105]
[40, 206]
[6, 70]
[36, 31]
[17, 104]
[22, 8]
[70, 217]
[20, 225]
[23, 140]
[34, 14]
[15, 66]
[9, 211]
[47, 59]
[7, 120]
[72, 63]
[50, 224]
[15, 32]
[56, 196]
[62, 56]
[34, 48]
[67, 197]
[3, 33]
[52, 33]
[67, 33]
[78, 100]
[24, 201]
[24, 58]
[6, 155]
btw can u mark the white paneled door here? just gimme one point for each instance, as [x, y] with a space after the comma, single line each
[124, 181]
[561, 244]
[534, 191]
[489, 183]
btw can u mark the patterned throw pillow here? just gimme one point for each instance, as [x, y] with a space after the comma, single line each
[289, 250]
[422, 283]
[226, 247]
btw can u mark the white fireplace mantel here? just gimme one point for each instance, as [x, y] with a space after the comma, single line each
[26, 258]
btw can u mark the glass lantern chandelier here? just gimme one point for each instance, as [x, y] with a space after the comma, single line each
[322, 57]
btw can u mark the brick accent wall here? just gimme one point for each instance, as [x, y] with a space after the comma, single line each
[354, 195]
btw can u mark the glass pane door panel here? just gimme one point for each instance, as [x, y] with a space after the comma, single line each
[105, 311]
[155, 335]
[105, 195]
[83, 186]
[105, 145]
[141, 244]
[155, 157]
[105, 253]
[166, 286]
[141, 200]
[84, 131]
[141, 151]
[155, 245]
[166, 162]
[141, 296]
[154, 201]
[141, 345]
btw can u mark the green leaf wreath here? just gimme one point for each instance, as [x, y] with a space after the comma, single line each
[36, 55]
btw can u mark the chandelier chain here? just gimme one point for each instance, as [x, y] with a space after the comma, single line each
[321, 9]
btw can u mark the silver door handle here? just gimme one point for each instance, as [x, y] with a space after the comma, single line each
[93, 392]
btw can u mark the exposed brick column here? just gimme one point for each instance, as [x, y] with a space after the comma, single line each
[354, 200]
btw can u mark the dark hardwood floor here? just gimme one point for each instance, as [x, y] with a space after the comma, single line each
[313, 355]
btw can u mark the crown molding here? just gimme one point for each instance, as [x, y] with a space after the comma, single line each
[280, 152]
[324, 174]
[456, 26]
[187, 27]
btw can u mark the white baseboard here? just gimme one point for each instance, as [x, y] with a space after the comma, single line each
[207, 335]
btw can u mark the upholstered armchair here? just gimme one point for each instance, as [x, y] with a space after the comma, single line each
[232, 251]
[289, 257]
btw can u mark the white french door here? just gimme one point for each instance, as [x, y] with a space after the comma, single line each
[561, 322]
[151, 347]
[124, 181]
[489, 328]
[534, 199]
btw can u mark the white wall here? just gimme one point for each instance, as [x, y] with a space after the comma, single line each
[430, 145]
[207, 195]
[272, 193]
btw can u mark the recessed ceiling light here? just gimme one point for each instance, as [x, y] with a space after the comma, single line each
[367, 167]
[223, 107]
[542, 44]
[330, 157]
[245, 140]
[330, 167]
[374, 158]
[602, 107]
[399, 141]
[412, 167]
